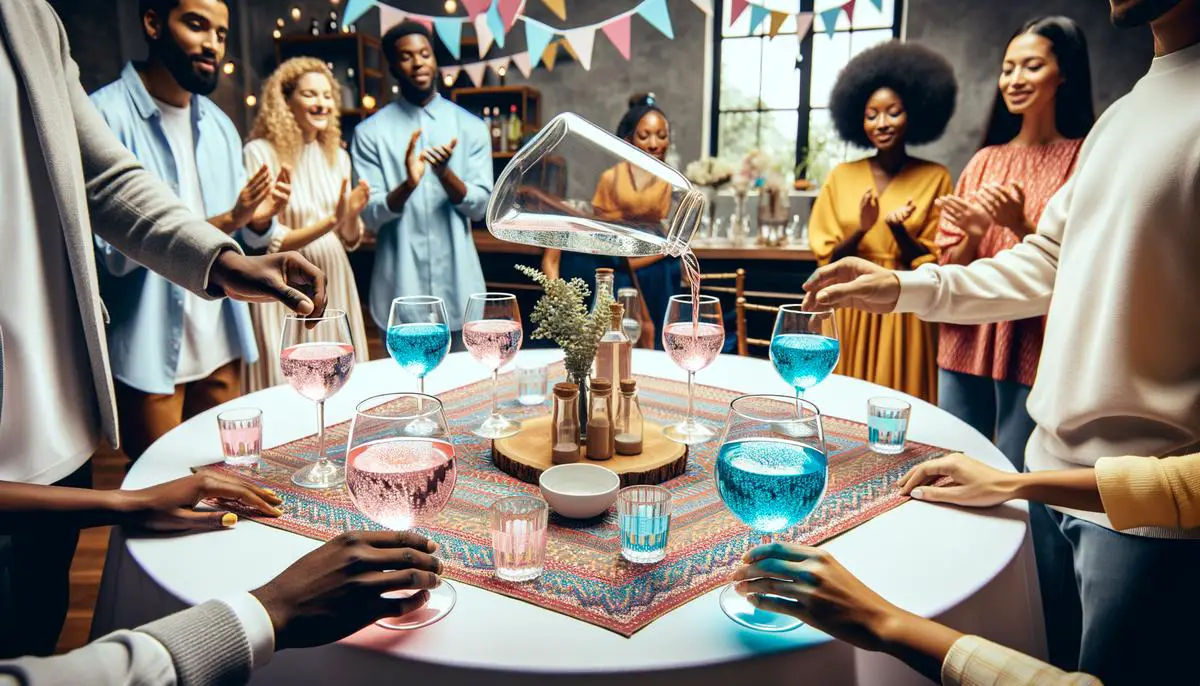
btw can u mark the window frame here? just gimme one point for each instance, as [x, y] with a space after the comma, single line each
[804, 106]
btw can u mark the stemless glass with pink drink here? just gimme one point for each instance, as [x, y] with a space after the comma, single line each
[398, 477]
[316, 357]
[492, 333]
[693, 335]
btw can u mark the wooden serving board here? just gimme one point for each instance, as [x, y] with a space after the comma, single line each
[526, 455]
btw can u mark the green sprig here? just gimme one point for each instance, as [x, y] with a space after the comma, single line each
[562, 316]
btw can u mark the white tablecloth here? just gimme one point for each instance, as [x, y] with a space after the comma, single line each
[970, 569]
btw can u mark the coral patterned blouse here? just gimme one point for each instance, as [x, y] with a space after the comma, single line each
[1005, 351]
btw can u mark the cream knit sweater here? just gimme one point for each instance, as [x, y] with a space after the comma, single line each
[1115, 264]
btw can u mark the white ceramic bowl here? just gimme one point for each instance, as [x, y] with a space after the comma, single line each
[579, 490]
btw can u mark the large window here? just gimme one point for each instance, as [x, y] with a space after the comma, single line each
[773, 94]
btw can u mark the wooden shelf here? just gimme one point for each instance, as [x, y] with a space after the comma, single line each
[372, 73]
[505, 155]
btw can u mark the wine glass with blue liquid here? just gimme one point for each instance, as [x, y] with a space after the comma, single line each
[771, 473]
[418, 338]
[804, 346]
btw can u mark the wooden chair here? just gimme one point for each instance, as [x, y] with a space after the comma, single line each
[744, 340]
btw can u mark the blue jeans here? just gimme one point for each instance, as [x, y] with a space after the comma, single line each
[1117, 606]
[995, 409]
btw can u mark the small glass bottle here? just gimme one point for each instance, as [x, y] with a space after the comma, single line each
[515, 129]
[628, 435]
[314, 27]
[604, 282]
[600, 434]
[564, 427]
[496, 132]
[615, 350]
[331, 26]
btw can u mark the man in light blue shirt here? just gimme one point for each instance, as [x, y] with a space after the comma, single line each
[422, 220]
[175, 354]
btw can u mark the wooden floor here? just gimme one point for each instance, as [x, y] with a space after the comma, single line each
[108, 471]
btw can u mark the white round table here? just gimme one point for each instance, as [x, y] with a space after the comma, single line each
[970, 569]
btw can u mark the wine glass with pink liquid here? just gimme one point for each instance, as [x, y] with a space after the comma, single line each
[693, 335]
[399, 477]
[316, 357]
[492, 333]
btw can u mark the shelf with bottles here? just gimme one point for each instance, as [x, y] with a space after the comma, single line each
[513, 114]
[357, 62]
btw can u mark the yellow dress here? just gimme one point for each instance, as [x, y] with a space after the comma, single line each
[894, 350]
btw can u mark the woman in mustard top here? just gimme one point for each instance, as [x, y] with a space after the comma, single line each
[631, 195]
[882, 208]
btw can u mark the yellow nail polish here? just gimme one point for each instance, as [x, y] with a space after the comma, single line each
[228, 519]
[267, 490]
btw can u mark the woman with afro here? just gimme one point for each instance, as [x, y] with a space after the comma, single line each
[882, 208]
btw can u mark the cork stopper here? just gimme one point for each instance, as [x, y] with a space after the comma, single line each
[618, 315]
[603, 270]
[565, 390]
[601, 386]
[628, 385]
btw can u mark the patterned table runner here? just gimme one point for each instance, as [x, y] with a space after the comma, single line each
[585, 576]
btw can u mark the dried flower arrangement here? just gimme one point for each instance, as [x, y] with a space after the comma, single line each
[561, 315]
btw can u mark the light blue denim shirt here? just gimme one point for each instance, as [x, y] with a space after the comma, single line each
[427, 249]
[147, 313]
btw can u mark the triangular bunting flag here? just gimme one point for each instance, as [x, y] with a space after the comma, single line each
[509, 11]
[757, 15]
[537, 37]
[804, 22]
[581, 41]
[617, 31]
[655, 12]
[450, 74]
[829, 20]
[388, 17]
[549, 55]
[878, 4]
[475, 70]
[449, 29]
[496, 24]
[558, 7]
[706, 5]
[497, 64]
[570, 51]
[849, 7]
[483, 34]
[476, 7]
[777, 19]
[736, 7]
[355, 9]
[524, 63]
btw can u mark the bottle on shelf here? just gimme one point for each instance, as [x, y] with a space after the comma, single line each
[314, 26]
[515, 129]
[601, 441]
[497, 134]
[615, 351]
[331, 25]
[564, 427]
[487, 124]
[627, 437]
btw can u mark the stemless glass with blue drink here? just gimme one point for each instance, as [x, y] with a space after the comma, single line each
[418, 339]
[771, 474]
[804, 346]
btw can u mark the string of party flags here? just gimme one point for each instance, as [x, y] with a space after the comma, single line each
[804, 20]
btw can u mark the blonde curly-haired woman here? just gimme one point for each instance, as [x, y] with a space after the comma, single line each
[298, 127]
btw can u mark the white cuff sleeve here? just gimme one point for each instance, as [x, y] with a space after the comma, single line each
[917, 289]
[257, 624]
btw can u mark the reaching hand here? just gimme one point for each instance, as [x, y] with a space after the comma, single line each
[439, 156]
[285, 277]
[351, 205]
[251, 196]
[1006, 205]
[972, 483]
[966, 215]
[807, 583]
[337, 589]
[170, 507]
[414, 161]
[855, 283]
[868, 210]
[895, 219]
[281, 192]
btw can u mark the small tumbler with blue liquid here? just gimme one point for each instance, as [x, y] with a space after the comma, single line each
[418, 338]
[771, 473]
[887, 424]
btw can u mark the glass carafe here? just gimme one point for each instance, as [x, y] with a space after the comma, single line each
[544, 196]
